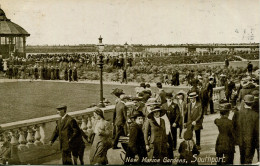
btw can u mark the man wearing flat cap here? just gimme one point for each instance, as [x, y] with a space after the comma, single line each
[70, 137]
[246, 127]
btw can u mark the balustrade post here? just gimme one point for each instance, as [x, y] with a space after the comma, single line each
[30, 137]
[14, 140]
[22, 140]
[37, 136]
[42, 133]
[14, 147]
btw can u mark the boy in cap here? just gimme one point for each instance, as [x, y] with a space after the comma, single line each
[225, 146]
[136, 145]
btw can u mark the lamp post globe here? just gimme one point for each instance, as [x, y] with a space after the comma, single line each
[101, 46]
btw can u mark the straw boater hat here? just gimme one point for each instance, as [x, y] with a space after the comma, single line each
[193, 95]
[222, 75]
[199, 77]
[211, 77]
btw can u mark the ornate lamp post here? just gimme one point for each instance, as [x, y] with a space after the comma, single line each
[126, 46]
[101, 46]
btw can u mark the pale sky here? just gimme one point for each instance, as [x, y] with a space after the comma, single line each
[136, 21]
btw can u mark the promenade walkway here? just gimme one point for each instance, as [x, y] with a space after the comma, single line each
[208, 141]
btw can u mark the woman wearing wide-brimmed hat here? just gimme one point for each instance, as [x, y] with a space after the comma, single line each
[156, 146]
[102, 139]
[225, 144]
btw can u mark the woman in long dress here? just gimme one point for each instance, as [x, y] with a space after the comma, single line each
[102, 142]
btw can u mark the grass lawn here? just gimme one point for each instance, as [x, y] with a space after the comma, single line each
[26, 100]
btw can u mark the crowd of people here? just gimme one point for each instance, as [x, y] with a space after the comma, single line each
[158, 118]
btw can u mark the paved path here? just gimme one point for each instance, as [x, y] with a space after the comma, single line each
[88, 82]
[242, 59]
[208, 140]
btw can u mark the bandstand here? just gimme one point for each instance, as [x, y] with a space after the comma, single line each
[12, 37]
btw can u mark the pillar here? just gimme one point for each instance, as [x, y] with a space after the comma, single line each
[24, 46]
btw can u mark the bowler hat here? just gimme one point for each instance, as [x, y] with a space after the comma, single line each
[188, 134]
[136, 114]
[224, 108]
[249, 99]
[61, 107]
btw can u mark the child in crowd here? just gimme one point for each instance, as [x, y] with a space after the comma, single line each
[187, 149]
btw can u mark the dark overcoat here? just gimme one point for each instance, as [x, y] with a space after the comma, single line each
[225, 142]
[155, 137]
[246, 127]
[136, 145]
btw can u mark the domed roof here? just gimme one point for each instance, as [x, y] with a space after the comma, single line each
[8, 28]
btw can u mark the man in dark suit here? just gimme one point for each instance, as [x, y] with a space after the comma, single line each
[229, 86]
[210, 94]
[173, 114]
[250, 67]
[70, 136]
[161, 96]
[246, 127]
[194, 116]
[120, 116]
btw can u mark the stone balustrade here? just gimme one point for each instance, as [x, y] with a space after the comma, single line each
[29, 138]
